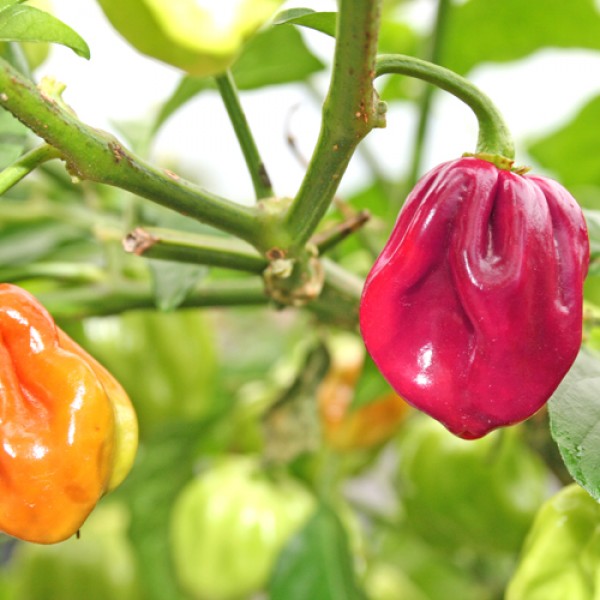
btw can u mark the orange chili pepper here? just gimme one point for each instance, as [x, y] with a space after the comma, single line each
[365, 427]
[67, 430]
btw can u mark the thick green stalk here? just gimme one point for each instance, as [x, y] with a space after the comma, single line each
[25, 164]
[494, 136]
[350, 111]
[97, 156]
[182, 246]
[256, 166]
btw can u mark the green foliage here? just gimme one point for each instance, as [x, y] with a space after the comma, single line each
[316, 563]
[13, 137]
[324, 22]
[571, 152]
[481, 31]
[574, 418]
[22, 23]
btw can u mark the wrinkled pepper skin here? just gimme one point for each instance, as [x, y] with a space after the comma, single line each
[473, 310]
[60, 441]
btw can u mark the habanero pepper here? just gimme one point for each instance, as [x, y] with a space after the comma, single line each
[473, 310]
[68, 432]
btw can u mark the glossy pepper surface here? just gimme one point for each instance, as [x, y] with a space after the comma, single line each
[67, 430]
[473, 310]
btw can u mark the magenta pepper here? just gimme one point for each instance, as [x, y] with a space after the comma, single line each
[473, 310]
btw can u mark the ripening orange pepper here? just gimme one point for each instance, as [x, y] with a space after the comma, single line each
[366, 427]
[67, 430]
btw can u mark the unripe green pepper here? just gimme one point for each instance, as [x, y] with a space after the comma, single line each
[202, 38]
[481, 493]
[165, 361]
[229, 525]
[561, 556]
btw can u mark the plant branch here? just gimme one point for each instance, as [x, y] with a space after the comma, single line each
[21, 167]
[81, 302]
[256, 166]
[327, 239]
[494, 136]
[60, 271]
[98, 156]
[181, 246]
[350, 111]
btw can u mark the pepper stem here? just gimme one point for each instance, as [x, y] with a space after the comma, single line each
[495, 142]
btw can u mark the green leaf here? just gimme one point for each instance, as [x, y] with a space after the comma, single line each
[291, 424]
[13, 137]
[186, 90]
[29, 24]
[371, 385]
[571, 152]
[34, 242]
[278, 55]
[592, 218]
[316, 563]
[399, 38]
[259, 65]
[575, 421]
[173, 281]
[162, 470]
[325, 22]
[505, 30]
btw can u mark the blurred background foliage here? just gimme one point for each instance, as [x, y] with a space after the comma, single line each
[399, 507]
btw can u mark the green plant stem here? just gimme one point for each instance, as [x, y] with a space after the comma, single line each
[181, 246]
[494, 136]
[14, 172]
[256, 166]
[434, 55]
[329, 238]
[101, 300]
[59, 271]
[98, 156]
[351, 109]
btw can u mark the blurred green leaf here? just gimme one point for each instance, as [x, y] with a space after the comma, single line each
[275, 56]
[316, 563]
[371, 385]
[21, 23]
[396, 37]
[173, 281]
[592, 218]
[571, 152]
[165, 465]
[575, 421]
[278, 55]
[292, 424]
[33, 242]
[504, 30]
[325, 22]
[13, 137]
